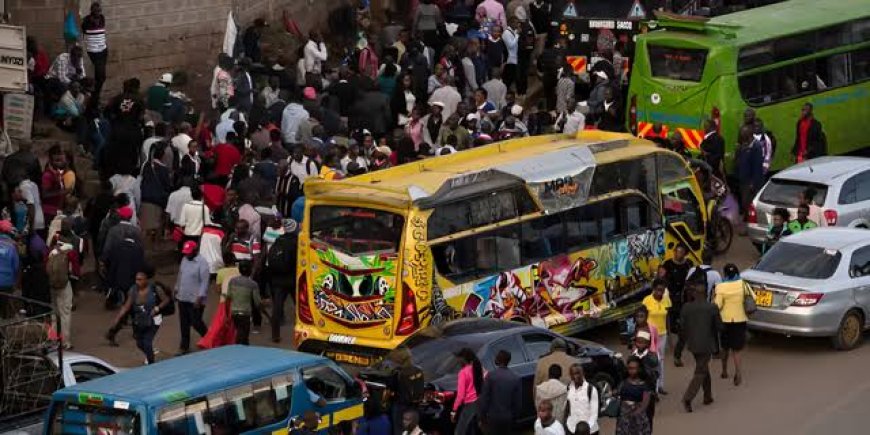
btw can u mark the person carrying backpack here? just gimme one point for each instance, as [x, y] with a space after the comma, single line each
[281, 264]
[705, 275]
[583, 401]
[57, 265]
[145, 304]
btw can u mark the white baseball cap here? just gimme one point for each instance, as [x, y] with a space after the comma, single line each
[166, 78]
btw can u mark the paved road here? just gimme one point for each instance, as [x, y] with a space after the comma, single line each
[793, 386]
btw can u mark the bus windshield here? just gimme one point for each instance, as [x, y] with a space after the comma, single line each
[77, 418]
[677, 63]
[356, 230]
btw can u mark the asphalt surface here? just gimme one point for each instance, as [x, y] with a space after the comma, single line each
[790, 385]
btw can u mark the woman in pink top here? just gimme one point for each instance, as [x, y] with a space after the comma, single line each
[414, 128]
[469, 383]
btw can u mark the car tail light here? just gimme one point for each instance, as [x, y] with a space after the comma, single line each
[716, 116]
[408, 319]
[303, 307]
[831, 217]
[751, 215]
[807, 299]
[632, 115]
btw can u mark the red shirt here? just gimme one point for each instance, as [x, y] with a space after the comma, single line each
[52, 192]
[803, 133]
[226, 156]
[213, 196]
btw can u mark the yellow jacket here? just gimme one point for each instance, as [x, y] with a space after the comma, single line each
[729, 299]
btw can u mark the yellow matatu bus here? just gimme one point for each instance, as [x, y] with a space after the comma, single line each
[557, 231]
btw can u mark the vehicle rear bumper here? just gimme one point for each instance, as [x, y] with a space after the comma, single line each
[352, 354]
[800, 321]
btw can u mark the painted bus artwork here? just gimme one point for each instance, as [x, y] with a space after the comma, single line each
[487, 232]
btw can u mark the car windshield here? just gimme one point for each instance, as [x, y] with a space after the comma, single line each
[677, 63]
[357, 230]
[788, 193]
[800, 261]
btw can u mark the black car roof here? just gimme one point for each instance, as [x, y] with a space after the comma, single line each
[474, 330]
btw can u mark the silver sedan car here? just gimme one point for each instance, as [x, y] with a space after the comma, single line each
[816, 284]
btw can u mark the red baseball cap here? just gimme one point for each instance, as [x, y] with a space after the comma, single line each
[189, 247]
[125, 213]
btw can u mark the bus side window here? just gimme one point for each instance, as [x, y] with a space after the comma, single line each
[325, 382]
[282, 387]
[542, 238]
[218, 414]
[242, 411]
[479, 255]
[581, 227]
[266, 404]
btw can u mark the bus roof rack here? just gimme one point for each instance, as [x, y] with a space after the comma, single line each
[670, 20]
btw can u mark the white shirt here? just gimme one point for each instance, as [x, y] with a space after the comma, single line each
[220, 131]
[449, 96]
[582, 407]
[176, 202]
[511, 40]
[146, 147]
[713, 278]
[30, 192]
[553, 429]
[210, 249]
[192, 217]
[130, 185]
[303, 170]
[315, 55]
[576, 122]
[181, 140]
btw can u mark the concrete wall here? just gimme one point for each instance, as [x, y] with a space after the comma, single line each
[149, 37]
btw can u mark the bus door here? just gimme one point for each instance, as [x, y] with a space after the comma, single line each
[684, 217]
[335, 396]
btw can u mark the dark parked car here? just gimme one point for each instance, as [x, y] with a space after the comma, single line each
[433, 349]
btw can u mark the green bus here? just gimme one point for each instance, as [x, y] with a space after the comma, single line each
[773, 58]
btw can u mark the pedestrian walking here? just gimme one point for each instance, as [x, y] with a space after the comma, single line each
[547, 424]
[701, 327]
[583, 402]
[810, 141]
[650, 362]
[470, 381]
[243, 297]
[191, 290]
[59, 268]
[94, 30]
[554, 391]
[501, 397]
[729, 297]
[659, 306]
[144, 305]
[10, 264]
[705, 275]
[676, 271]
[558, 355]
[635, 396]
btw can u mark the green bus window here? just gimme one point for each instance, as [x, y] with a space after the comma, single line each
[581, 227]
[242, 411]
[542, 238]
[861, 65]
[673, 63]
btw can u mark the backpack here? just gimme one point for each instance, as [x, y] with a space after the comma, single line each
[141, 314]
[281, 257]
[169, 309]
[57, 267]
[409, 384]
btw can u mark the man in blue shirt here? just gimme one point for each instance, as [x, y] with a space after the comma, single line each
[191, 289]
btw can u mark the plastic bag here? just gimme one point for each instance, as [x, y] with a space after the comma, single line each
[71, 28]
[221, 331]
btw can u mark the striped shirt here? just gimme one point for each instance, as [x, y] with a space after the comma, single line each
[245, 250]
[94, 30]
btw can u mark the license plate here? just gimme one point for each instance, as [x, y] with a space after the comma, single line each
[763, 298]
[349, 358]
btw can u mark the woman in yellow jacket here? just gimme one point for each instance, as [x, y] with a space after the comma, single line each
[729, 298]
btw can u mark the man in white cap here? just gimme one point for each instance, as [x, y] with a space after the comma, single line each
[157, 98]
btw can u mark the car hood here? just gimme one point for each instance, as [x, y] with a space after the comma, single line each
[780, 280]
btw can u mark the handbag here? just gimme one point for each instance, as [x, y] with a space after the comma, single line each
[749, 305]
[611, 408]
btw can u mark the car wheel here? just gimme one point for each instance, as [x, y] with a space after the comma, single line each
[851, 331]
[605, 385]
